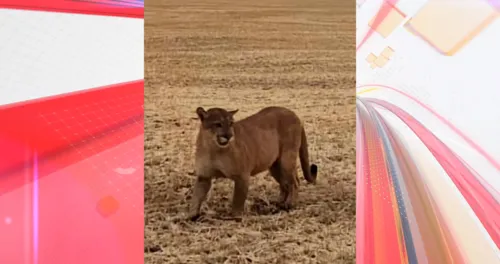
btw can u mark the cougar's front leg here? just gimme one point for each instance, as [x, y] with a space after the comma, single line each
[200, 191]
[241, 185]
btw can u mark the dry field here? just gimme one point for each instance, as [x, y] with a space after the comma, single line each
[248, 54]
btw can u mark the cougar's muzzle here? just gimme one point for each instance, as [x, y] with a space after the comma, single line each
[224, 139]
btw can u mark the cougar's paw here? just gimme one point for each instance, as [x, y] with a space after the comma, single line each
[236, 216]
[285, 206]
[194, 217]
[230, 218]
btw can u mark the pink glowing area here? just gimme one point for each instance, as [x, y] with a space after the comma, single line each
[64, 208]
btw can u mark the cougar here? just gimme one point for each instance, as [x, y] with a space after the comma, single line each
[271, 139]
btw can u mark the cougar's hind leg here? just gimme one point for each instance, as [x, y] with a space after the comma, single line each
[288, 163]
[275, 172]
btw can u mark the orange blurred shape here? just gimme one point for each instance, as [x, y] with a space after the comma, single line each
[387, 52]
[448, 25]
[393, 19]
[107, 206]
[381, 60]
[371, 58]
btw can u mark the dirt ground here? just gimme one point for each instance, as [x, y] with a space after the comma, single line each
[249, 54]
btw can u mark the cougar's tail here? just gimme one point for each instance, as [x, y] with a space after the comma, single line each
[310, 172]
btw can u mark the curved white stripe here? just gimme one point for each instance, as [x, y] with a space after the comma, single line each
[480, 164]
[471, 236]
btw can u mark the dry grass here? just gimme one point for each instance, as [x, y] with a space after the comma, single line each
[250, 54]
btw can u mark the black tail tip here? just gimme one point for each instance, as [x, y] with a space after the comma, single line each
[314, 172]
[314, 169]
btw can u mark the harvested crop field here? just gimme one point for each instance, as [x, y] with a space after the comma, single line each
[246, 55]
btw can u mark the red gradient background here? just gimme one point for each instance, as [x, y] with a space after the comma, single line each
[71, 168]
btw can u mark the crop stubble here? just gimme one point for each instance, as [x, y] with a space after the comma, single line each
[248, 55]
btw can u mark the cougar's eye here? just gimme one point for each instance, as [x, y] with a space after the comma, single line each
[218, 125]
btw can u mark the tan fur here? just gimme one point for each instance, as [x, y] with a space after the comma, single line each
[271, 139]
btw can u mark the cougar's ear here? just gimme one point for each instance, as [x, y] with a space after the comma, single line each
[202, 114]
[232, 113]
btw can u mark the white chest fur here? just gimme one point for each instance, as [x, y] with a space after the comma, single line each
[215, 166]
[203, 166]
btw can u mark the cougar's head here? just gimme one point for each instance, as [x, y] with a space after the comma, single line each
[219, 123]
